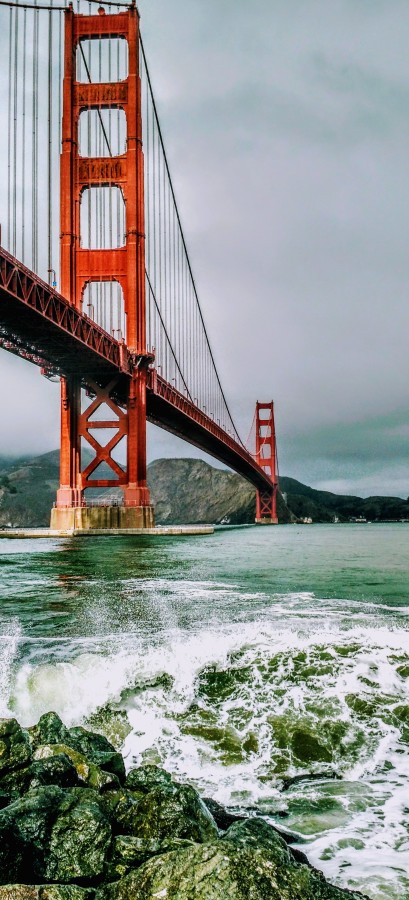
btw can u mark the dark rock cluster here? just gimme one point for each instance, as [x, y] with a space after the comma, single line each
[74, 826]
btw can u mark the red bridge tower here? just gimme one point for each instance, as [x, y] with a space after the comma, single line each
[125, 265]
[266, 456]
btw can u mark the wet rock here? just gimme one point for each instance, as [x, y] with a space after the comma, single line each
[173, 810]
[80, 839]
[6, 797]
[98, 750]
[58, 770]
[49, 730]
[15, 784]
[308, 776]
[45, 892]
[217, 871]
[307, 748]
[130, 853]
[54, 835]
[222, 816]
[15, 750]
[89, 742]
[87, 772]
[145, 778]
[257, 833]
[122, 809]
[109, 761]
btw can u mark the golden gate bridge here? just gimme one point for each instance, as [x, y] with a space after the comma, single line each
[125, 333]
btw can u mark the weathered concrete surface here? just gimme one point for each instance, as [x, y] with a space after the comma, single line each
[91, 518]
[162, 530]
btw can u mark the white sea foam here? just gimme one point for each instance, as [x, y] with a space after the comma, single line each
[9, 641]
[294, 660]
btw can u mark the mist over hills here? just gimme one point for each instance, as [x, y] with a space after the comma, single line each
[187, 491]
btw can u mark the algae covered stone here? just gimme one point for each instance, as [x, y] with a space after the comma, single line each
[257, 834]
[80, 838]
[58, 770]
[88, 773]
[173, 811]
[54, 835]
[98, 750]
[44, 892]
[49, 730]
[130, 852]
[218, 871]
[15, 750]
[145, 778]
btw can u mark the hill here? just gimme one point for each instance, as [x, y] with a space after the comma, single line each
[322, 506]
[187, 491]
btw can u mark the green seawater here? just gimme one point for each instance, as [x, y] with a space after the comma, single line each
[239, 661]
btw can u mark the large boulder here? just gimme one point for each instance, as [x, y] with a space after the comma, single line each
[49, 730]
[98, 750]
[44, 892]
[57, 769]
[15, 750]
[54, 835]
[145, 778]
[152, 807]
[130, 853]
[87, 772]
[171, 810]
[221, 870]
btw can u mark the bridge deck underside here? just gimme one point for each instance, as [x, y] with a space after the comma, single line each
[38, 324]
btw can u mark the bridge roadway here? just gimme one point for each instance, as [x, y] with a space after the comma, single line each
[39, 325]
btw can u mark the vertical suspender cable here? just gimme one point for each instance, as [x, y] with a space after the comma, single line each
[34, 165]
[49, 146]
[15, 127]
[9, 130]
[23, 155]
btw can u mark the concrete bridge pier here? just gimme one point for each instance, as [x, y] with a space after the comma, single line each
[90, 518]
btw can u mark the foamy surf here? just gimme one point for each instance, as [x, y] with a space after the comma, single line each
[220, 671]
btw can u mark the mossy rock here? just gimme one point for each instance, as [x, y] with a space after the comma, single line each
[307, 748]
[173, 811]
[89, 742]
[98, 750]
[403, 671]
[221, 870]
[122, 809]
[58, 770]
[402, 713]
[15, 749]
[88, 773]
[257, 834]
[147, 777]
[54, 835]
[131, 852]
[45, 892]
[50, 729]
[109, 761]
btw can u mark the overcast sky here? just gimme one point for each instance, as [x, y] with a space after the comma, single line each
[287, 131]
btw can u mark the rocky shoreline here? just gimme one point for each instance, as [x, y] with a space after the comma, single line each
[75, 826]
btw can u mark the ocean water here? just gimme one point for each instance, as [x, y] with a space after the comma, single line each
[237, 661]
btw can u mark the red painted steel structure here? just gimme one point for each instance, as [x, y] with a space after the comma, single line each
[266, 456]
[125, 265]
[51, 330]
[38, 324]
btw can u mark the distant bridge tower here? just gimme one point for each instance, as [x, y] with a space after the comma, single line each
[80, 267]
[266, 456]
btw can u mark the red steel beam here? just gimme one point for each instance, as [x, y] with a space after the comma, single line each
[38, 324]
[38, 320]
